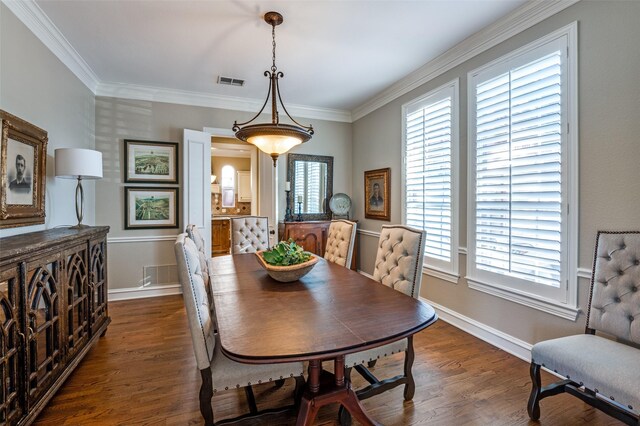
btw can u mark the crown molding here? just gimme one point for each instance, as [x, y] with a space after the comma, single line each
[184, 97]
[517, 21]
[41, 26]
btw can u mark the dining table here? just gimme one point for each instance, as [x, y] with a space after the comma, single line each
[330, 312]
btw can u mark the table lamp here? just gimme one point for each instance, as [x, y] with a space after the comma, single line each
[77, 163]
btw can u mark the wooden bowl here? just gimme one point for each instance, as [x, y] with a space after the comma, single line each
[287, 274]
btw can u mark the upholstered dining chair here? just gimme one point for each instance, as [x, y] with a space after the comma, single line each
[340, 242]
[603, 372]
[398, 265]
[218, 372]
[194, 234]
[249, 234]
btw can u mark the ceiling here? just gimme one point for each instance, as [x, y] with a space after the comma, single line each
[334, 54]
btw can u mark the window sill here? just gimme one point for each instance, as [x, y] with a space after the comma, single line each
[544, 305]
[440, 274]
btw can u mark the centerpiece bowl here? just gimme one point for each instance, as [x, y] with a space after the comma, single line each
[290, 273]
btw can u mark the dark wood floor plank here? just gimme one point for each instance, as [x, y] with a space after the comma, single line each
[143, 372]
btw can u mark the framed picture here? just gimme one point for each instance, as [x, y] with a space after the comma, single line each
[23, 156]
[150, 208]
[377, 196]
[150, 162]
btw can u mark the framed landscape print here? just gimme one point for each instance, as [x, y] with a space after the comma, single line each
[150, 208]
[23, 157]
[150, 162]
[377, 196]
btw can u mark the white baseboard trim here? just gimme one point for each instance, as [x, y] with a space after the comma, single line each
[497, 338]
[144, 292]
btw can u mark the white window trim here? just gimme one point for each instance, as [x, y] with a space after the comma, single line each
[569, 309]
[449, 273]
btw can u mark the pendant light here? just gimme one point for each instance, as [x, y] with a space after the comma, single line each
[273, 138]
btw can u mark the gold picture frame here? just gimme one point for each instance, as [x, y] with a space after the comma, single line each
[23, 157]
[377, 194]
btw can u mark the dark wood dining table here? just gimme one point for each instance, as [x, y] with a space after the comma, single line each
[330, 312]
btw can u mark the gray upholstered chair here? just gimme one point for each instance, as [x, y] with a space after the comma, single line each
[249, 234]
[398, 265]
[595, 365]
[340, 242]
[194, 234]
[218, 372]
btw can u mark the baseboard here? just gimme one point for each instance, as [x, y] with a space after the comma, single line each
[143, 292]
[497, 338]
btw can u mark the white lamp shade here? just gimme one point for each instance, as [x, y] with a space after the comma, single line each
[72, 163]
[274, 144]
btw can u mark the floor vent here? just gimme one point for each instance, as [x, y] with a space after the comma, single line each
[159, 275]
[230, 81]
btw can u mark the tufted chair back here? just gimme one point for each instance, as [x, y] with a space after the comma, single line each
[614, 307]
[194, 293]
[194, 235]
[340, 242]
[249, 234]
[400, 257]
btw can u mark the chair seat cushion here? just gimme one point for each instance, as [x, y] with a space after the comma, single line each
[354, 359]
[229, 374]
[610, 368]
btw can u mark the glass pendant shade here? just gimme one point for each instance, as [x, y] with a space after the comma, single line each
[274, 144]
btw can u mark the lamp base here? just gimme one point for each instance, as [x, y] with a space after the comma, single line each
[79, 226]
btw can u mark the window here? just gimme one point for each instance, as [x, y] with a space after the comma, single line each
[520, 188]
[310, 184]
[228, 185]
[430, 176]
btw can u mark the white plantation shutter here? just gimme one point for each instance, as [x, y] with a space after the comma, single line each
[308, 185]
[522, 175]
[518, 172]
[428, 173]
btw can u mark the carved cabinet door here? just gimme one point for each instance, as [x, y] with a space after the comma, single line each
[76, 288]
[312, 236]
[11, 348]
[98, 283]
[43, 324]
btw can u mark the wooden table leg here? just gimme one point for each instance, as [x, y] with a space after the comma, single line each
[314, 375]
[339, 370]
[335, 389]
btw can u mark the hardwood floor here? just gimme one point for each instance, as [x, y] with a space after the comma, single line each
[143, 372]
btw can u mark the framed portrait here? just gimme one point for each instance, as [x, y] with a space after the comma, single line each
[150, 162]
[150, 208]
[377, 195]
[23, 154]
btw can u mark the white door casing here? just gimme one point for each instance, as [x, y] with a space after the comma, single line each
[196, 180]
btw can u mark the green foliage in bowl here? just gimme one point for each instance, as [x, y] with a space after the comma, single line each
[286, 253]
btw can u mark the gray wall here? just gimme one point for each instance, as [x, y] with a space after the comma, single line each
[609, 124]
[117, 119]
[37, 87]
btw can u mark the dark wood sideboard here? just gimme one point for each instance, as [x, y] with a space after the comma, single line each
[312, 236]
[53, 309]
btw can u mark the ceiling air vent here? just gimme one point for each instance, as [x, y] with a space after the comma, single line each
[230, 81]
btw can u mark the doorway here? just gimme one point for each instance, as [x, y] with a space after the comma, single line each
[234, 183]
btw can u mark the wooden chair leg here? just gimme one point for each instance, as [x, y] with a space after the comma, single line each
[533, 407]
[251, 399]
[344, 417]
[410, 386]
[299, 390]
[206, 393]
